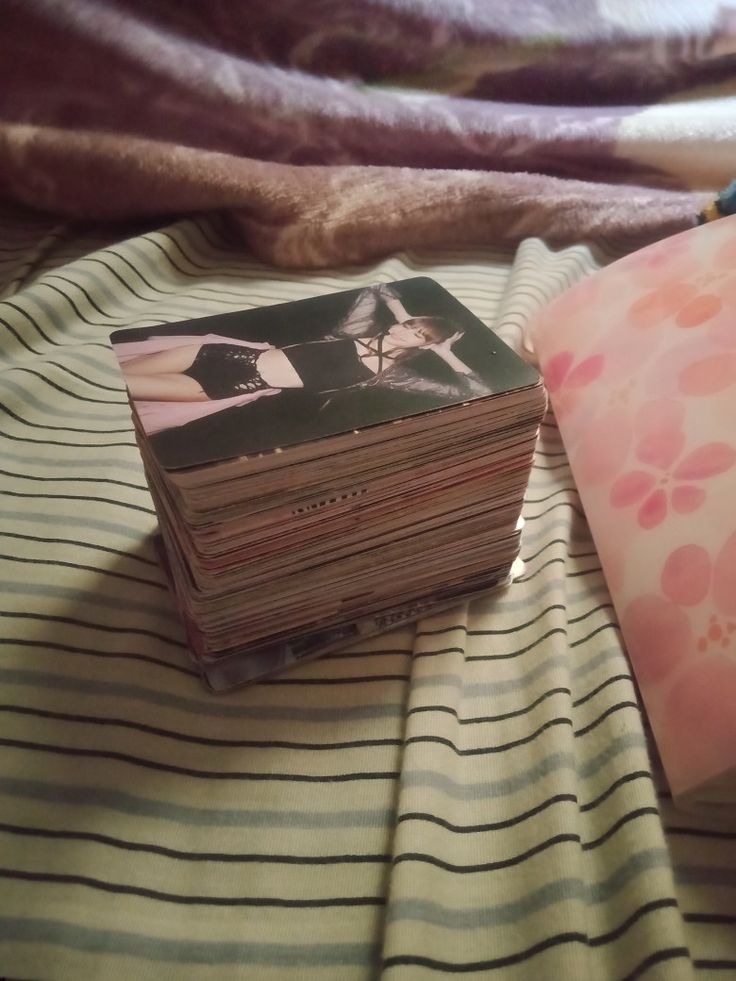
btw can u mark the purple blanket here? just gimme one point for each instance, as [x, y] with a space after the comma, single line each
[337, 130]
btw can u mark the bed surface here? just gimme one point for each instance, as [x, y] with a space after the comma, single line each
[474, 795]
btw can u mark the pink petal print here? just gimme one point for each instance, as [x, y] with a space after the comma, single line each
[654, 510]
[706, 461]
[631, 487]
[687, 498]
[661, 303]
[724, 578]
[699, 310]
[586, 372]
[661, 449]
[556, 370]
[657, 635]
[686, 575]
[709, 375]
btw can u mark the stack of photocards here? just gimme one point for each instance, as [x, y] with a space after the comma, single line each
[328, 468]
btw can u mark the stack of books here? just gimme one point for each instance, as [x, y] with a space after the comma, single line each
[328, 468]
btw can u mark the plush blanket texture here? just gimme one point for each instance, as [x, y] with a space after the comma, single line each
[338, 130]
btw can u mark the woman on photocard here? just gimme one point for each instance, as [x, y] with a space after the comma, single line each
[174, 380]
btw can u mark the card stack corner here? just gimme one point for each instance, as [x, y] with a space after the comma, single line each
[292, 550]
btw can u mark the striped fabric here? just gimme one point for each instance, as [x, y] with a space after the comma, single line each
[473, 796]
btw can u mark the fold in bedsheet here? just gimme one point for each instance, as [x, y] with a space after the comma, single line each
[339, 131]
[475, 795]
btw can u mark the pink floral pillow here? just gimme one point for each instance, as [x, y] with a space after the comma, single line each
[640, 364]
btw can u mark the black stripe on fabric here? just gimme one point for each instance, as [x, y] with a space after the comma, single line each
[558, 541]
[540, 452]
[514, 743]
[77, 285]
[559, 559]
[76, 479]
[74, 622]
[75, 308]
[595, 609]
[530, 852]
[21, 340]
[475, 720]
[714, 964]
[126, 285]
[102, 655]
[562, 504]
[168, 897]
[61, 442]
[32, 322]
[77, 544]
[177, 267]
[68, 429]
[487, 750]
[512, 630]
[658, 957]
[560, 490]
[68, 371]
[557, 466]
[492, 826]
[184, 737]
[177, 294]
[525, 816]
[58, 563]
[151, 267]
[29, 495]
[225, 857]
[449, 967]
[441, 630]
[518, 627]
[221, 244]
[535, 643]
[519, 651]
[609, 711]
[626, 778]
[599, 629]
[584, 572]
[65, 391]
[503, 863]
[604, 684]
[623, 820]
[245, 775]
[202, 268]
[668, 902]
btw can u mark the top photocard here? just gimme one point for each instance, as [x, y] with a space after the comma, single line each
[245, 383]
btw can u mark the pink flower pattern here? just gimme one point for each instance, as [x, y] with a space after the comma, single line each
[565, 378]
[682, 642]
[668, 479]
[646, 358]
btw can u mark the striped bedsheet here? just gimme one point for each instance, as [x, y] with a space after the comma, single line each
[476, 795]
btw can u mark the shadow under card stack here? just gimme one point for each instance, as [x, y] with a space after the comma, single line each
[328, 468]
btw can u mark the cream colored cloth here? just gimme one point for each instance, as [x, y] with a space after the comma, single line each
[474, 795]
